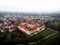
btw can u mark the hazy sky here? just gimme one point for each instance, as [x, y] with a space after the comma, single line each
[30, 5]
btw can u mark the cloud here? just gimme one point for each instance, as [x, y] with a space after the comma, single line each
[30, 5]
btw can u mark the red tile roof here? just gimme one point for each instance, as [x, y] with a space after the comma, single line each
[25, 26]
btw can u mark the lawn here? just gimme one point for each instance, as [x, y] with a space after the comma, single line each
[53, 40]
[38, 36]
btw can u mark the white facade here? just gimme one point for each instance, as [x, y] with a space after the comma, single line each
[30, 32]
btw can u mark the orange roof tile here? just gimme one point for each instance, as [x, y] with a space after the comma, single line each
[25, 26]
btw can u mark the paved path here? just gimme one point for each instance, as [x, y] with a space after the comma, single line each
[44, 38]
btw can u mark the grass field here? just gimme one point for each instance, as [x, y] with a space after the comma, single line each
[56, 23]
[38, 36]
[53, 40]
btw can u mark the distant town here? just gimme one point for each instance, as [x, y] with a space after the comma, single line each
[20, 25]
[27, 24]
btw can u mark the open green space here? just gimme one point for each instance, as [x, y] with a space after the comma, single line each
[56, 23]
[38, 36]
[53, 40]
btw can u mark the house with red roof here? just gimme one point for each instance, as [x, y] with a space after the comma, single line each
[31, 26]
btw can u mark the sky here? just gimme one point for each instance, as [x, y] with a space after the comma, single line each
[30, 5]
